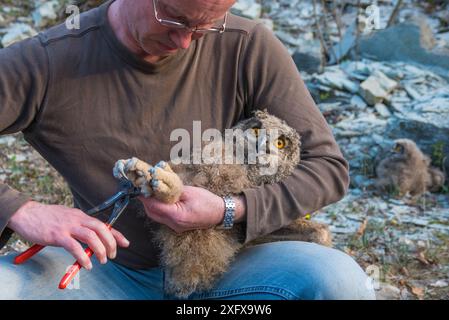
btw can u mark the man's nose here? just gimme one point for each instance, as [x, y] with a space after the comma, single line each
[182, 38]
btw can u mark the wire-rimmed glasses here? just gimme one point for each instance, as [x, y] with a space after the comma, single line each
[220, 27]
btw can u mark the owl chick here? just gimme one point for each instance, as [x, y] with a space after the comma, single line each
[408, 170]
[193, 260]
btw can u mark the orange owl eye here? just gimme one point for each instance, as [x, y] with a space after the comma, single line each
[280, 143]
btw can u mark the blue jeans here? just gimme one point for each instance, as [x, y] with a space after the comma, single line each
[281, 270]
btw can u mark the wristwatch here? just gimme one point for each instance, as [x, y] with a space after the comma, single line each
[229, 214]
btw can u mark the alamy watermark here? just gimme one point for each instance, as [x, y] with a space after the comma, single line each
[75, 283]
[73, 20]
[375, 277]
[371, 19]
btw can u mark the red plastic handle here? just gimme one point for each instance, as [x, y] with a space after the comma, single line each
[24, 256]
[71, 273]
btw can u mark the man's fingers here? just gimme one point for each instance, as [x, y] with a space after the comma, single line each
[120, 238]
[77, 251]
[91, 238]
[105, 235]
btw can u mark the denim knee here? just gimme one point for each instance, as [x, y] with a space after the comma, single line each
[318, 272]
[292, 270]
[312, 271]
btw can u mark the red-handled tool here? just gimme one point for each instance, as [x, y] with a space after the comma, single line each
[71, 273]
[120, 201]
[24, 256]
[119, 207]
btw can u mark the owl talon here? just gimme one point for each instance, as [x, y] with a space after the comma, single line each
[119, 170]
[161, 164]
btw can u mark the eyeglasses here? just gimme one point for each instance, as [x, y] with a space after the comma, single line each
[220, 28]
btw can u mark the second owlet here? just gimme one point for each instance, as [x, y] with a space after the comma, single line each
[408, 170]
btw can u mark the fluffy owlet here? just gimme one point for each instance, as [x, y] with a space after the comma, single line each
[408, 170]
[194, 259]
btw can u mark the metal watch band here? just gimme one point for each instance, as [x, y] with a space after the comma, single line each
[228, 220]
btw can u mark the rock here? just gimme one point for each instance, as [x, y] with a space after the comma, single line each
[45, 13]
[388, 292]
[17, 157]
[329, 107]
[306, 63]
[412, 92]
[334, 77]
[382, 110]
[288, 38]
[247, 8]
[411, 43]
[7, 140]
[17, 32]
[377, 88]
[358, 102]
[365, 124]
[2, 21]
[309, 60]
[341, 49]
[439, 284]
[359, 181]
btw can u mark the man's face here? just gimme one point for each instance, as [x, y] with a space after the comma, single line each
[158, 40]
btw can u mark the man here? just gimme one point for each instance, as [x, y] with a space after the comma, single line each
[135, 71]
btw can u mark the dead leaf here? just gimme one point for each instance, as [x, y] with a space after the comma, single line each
[421, 257]
[405, 272]
[362, 228]
[418, 292]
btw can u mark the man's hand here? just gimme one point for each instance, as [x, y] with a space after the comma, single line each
[197, 208]
[60, 226]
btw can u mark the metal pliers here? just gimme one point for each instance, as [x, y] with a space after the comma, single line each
[120, 201]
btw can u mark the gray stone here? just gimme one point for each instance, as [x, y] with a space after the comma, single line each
[335, 78]
[377, 88]
[17, 32]
[408, 42]
[382, 110]
[439, 284]
[45, 13]
[341, 49]
[358, 102]
[308, 56]
[247, 8]
[2, 21]
[7, 140]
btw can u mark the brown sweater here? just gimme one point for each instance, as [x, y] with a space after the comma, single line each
[84, 101]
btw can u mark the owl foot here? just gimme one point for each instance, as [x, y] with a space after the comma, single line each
[136, 171]
[166, 184]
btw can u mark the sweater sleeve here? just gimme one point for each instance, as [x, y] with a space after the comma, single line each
[23, 84]
[271, 81]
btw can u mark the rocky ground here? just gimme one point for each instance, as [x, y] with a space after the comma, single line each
[373, 86]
